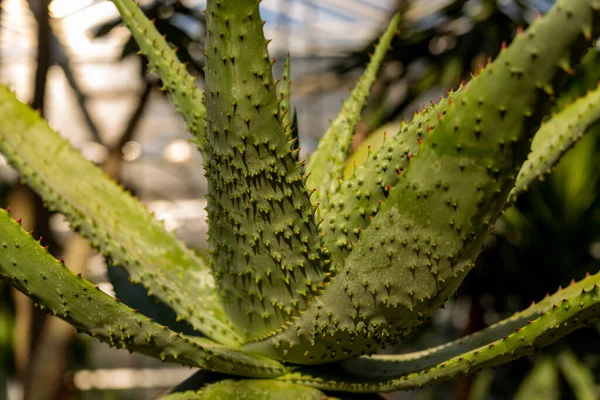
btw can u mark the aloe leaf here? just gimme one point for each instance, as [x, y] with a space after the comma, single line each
[30, 268]
[554, 138]
[188, 99]
[251, 389]
[114, 221]
[541, 324]
[541, 383]
[326, 164]
[266, 250]
[402, 248]
[437, 355]
[579, 377]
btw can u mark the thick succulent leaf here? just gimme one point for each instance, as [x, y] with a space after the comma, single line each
[555, 137]
[262, 230]
[373, 170]
[284, 93]
[401, 249]
[541, 324]
[30, 268]
[326, 164]
[579, 377]
[163, 60]
[251, 389]
[439, 354]
[541, 383]
[113, 220]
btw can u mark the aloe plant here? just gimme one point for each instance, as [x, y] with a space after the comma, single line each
[310, 266]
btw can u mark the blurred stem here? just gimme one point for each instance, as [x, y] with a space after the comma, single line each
[63, 61]
[578, 375]
[135, 117]
[42, 15]
[57, 54]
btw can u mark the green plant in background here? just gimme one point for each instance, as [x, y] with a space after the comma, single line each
[543, 381]
[310, 266]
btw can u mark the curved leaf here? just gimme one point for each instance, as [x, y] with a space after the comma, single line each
[30, 268]
[579, 377]
[114, 221]
[541, 324]
[555, 137]
[415, 246]
[188, 99]
[326, 164]
[262, 229]
[541, 383]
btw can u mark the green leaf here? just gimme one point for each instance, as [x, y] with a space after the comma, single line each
[251, 389]
[266, 247]
[188, 99]
[579, 377]
[541, 324]
[541, 383]
[326, 164]
[30, 268]
[555, 137]
[113, 220]
[403, 238]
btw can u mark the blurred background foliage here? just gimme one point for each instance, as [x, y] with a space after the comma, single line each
[550, 236]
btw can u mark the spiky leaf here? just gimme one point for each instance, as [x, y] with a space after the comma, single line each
[113, 220]
[261, 224]
[326, 164]
[163, 60]
[554, 317]
[555, 137]
[578, 375]
[424, 232]
[30, 268]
